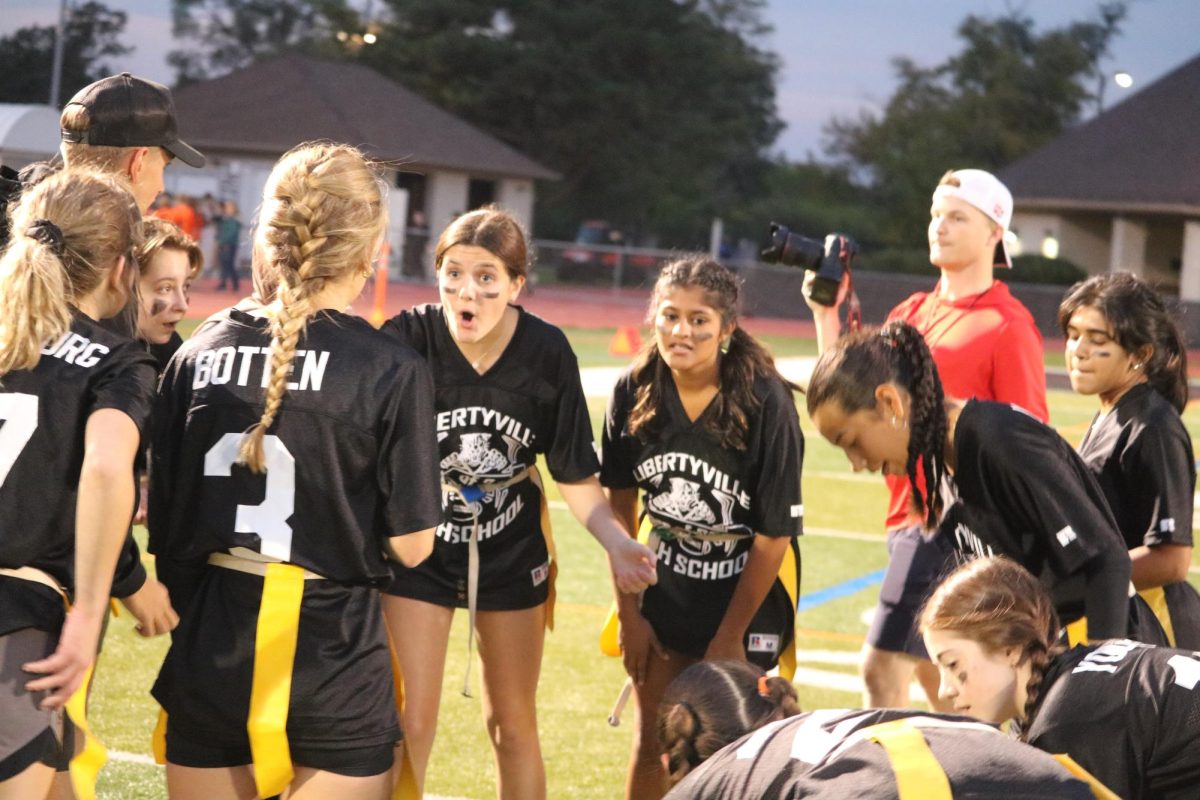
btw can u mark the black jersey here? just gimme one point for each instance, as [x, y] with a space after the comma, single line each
[1142, 457]
[690, 481]
[490, 427]
[1027, 495]
[350, 458]
[44, 412]
[830, 754]
[1127, 713]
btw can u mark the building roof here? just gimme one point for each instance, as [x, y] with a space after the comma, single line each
[271, 106]
[1141, 155]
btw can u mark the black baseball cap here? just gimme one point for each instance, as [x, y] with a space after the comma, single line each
[127, 111]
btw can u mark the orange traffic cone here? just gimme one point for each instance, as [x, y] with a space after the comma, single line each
[625, 342]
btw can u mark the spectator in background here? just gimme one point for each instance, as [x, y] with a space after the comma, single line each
[229, 232]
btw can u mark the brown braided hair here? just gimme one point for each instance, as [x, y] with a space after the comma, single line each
[860, 362]
[321, 216]
[743, 362]
[999, 604]
[713, 703]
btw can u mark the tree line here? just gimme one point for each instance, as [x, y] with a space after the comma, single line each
[658, 114]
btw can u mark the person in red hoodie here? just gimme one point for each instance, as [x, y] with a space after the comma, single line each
[986, 346]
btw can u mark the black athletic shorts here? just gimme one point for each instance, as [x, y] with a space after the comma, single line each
[510, 579]
[916, 565]
[29, 734]
[685, 612]
[342, 700]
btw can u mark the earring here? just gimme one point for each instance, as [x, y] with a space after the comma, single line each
[1137, 366]
[895, 422]
[724, 346]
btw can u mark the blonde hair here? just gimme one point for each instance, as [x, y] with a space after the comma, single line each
[40, 280]
[101, 157]
[322, 213]
[163, 235]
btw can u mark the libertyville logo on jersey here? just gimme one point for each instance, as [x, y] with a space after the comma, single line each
[701, 500]
[482, 457]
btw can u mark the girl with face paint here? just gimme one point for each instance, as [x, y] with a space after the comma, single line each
[1022, 491]
[1123, 347]
[705, 430]
[1123, 710]
[985, 345]
[507, 390]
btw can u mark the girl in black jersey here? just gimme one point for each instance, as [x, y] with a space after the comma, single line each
[508, 389]
[706, 428]
[73, 401]
[1125, 711]
[729, 732]
[1124, 347]
[292, 447]
[1024, 492]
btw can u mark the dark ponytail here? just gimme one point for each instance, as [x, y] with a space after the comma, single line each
[743, 362]
[862, 361]
[1138, 319]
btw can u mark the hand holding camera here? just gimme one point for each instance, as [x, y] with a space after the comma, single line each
[827, 278]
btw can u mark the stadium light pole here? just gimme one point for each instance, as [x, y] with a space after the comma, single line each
[56, 67]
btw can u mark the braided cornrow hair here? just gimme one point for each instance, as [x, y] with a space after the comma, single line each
[743, 362]
[712, 703]
[999, 604]
[860, 362]
[321, 217]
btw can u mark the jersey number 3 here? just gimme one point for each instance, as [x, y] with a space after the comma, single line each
[269, 518]
[19, 415]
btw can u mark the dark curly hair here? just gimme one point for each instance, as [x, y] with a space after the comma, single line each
[744, 361]
[1139, 319]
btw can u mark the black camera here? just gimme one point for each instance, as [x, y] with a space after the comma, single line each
[830, 259]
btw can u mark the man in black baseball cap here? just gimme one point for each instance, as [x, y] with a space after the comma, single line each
[125, 124]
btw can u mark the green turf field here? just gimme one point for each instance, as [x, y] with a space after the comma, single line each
[585, 758]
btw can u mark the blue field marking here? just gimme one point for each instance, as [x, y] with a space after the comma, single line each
[840, 590]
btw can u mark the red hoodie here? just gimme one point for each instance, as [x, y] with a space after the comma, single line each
[986, 346]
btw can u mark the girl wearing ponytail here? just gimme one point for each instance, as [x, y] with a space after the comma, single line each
[293, 448]
[705, 429]
[1024, 492]
[1124, 347]
[74, 401]
[1123, 710]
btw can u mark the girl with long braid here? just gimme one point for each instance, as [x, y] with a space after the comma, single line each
[74, 401]
[1124, 711]
[1124, 347]
[1024, 492]
[706, 430]
[292, 447]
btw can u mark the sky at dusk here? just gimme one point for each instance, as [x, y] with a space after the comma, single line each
[836, 56]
